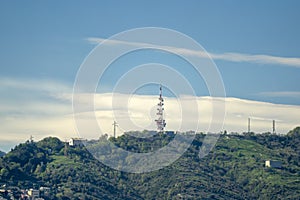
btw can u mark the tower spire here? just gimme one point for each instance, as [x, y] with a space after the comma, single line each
[160, 121]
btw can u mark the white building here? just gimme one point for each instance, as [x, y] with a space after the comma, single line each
[77, 142]
[33, 194]
[273, 163]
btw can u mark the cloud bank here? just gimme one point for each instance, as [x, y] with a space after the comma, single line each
[289, 94]
[43, 108]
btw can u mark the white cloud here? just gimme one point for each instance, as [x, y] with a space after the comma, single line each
[227, 56]
[31, 107]
[140, 110]
[45, 85]
[42, 117]
[290, 94]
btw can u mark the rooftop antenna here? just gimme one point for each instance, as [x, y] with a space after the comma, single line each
[160, 121]
[115, 126]
[274, 132]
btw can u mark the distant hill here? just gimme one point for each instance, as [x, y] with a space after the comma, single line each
[233, 170]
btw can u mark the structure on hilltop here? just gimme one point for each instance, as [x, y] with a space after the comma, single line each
[160, 121]
[77, 142]
[273, 163]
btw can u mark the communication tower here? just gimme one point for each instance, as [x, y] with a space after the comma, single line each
[160, 121]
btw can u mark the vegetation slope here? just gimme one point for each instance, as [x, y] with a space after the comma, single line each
[233, 170]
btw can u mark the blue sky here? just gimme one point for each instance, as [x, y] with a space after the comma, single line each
[48, 40]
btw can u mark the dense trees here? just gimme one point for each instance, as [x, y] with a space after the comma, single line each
[233, 170]
[2, 153]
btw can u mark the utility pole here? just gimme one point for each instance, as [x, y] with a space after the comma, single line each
[249, 125]
[274, 131]
[115, 126]
[66, 148]
[31, 139]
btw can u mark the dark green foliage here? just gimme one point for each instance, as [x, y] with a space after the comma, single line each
[294, 133]
[233, 170]
[141, 145]
[51, 144]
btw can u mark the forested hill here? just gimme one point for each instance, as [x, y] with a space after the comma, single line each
[235, 169]
[2, 153]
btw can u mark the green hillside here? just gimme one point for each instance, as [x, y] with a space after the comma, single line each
[235, 169]
[2, 153]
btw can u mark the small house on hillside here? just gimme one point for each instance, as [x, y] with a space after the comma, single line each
[273, 163]
[34, 194]
[77, 142]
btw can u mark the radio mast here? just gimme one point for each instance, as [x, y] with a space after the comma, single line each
[160, 121]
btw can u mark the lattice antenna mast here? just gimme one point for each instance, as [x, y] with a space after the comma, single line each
[160, 121]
